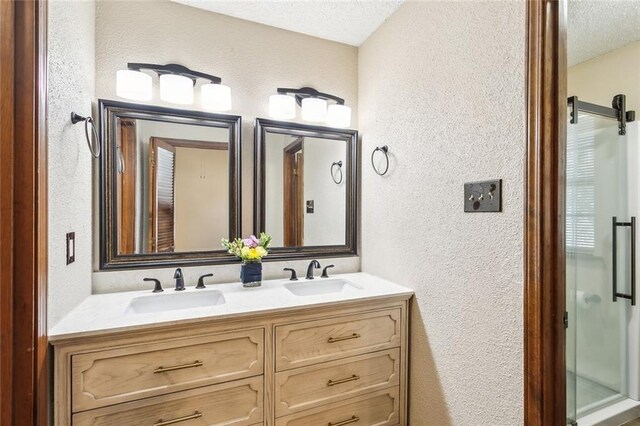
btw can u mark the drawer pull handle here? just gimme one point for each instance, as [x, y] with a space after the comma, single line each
[178, 367]
[340, 381]
[353, 419]
[195, 415]
[340, 339]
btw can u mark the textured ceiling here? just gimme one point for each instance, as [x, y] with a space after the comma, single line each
[597, 27]
[344, 21]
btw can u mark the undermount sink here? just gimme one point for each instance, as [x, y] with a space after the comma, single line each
[175, 301]
[321, 286]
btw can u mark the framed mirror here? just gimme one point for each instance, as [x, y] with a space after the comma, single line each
[306, 189]
[169, 185]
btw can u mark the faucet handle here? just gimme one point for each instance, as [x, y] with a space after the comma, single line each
[157, 288]
[294, 276]
[177, 273]
[201, 280]
[324, 271]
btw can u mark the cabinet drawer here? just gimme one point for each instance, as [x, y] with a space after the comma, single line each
[235, 403]
[380, 408]
[312, 342]
[309, 387]
[151, 369]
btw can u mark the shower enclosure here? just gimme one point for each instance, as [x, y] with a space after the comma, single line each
[602, 203]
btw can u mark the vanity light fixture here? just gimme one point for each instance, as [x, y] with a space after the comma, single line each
[314, 110]
[176, 85]
[176, 89]
[315, 106]
[339, 116]
[282, 107]
[134, 85]
[215, 97]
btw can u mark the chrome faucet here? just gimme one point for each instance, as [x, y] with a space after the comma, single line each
[314, 264]
[179, 279]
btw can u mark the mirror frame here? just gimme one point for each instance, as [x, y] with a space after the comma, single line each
[350, 248]
[108, 111]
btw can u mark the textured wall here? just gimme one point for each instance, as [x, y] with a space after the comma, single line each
[442, 84]
[70, 88]
[252, 59]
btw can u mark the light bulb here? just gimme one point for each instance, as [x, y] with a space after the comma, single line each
[215, 97]
[339, 116]
[282, 107]
[176, 89]
[314, 109]
[135, 85]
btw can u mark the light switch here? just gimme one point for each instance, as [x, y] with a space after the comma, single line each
[71, 247]
[310, 206]
[483, 196]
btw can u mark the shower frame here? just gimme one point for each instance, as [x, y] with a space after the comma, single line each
[618, 111]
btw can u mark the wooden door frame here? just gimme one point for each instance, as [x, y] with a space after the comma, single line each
[544, 260]
[126, 184]
[293, 216]
[23, 212]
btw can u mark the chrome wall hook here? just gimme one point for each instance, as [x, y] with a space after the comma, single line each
[94, 147]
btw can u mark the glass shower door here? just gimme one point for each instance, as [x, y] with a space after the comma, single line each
[598, 248]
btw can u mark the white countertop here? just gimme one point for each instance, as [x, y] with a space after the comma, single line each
[103, 313]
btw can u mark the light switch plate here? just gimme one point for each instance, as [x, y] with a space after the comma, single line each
[483, 196]
[71, 247]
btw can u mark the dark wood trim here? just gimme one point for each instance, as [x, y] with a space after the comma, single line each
[195, 144]
[350, 248]
[109, 113]
[544, 292]
[23, 212]
[6, 209]
[126, 184]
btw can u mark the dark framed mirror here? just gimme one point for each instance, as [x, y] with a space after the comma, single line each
[169, 186]
[305, 189]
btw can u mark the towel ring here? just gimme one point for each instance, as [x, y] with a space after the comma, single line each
[384, 149]
[88, 121]
[120, 160]
[333, 176]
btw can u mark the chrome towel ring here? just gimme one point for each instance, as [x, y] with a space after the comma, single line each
[94, 147]
[333, 175]
[385, 150]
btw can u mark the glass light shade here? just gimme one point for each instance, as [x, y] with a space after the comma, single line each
[134, 85]
[314, 109]
[176, 89]
[282, 107]
[339, 116]
[215, 97]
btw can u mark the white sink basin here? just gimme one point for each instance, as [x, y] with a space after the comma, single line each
[173, 301]
[321, 286]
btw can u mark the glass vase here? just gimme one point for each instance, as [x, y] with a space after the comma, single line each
[251, 274]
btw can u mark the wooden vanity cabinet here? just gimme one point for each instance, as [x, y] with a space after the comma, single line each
[313, 366]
